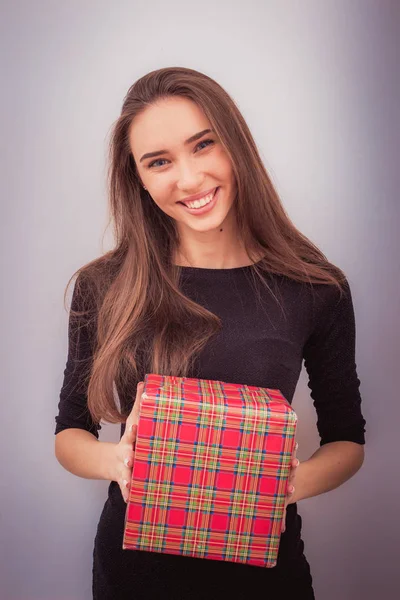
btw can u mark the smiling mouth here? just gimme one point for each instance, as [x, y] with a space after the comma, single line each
[196, 204]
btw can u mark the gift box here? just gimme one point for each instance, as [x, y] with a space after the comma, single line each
[211, 469]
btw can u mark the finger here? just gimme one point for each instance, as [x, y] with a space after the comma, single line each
[139, 392]
[125, 455]
[134, 414]
[125, 481]
[133, 418]
[128, 460]
[284, 518]
[134, 434]
[294, 451]
[289, 495]
[294, 457]
[131, 433]
[125, 484]
[125, 488]
[293, 470]
[129, 436]
[295, 448]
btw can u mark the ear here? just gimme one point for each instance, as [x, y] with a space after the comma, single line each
[141, 183]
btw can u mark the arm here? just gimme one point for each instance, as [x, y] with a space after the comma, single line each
[329, 467]
[77, 447]
[330, 362]
[81, 453]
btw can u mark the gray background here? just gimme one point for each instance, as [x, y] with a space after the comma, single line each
[318, 83]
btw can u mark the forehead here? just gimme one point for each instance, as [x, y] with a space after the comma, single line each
[166, 124]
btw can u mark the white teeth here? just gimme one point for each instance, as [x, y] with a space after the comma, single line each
[201, 202]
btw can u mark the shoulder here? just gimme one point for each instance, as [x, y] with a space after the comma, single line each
[330, 300]
[332, 314]
[83, 295]
[91, 284]
[314, 305]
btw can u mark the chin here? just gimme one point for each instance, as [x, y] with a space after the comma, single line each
[209, 228]
[211, 225]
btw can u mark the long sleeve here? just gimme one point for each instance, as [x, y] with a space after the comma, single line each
[329, 358]
[72, 407]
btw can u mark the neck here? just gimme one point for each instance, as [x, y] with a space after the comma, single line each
[220, 248]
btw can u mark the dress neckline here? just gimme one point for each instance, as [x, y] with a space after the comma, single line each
[212, 270]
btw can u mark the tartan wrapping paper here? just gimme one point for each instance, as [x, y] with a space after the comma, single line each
[211, 468]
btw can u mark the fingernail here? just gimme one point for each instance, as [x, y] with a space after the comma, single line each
[126, 462]
[297, 462]
[291, 489]
[125, 483]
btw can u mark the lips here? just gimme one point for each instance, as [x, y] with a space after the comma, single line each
[197, 196]
[203, 209]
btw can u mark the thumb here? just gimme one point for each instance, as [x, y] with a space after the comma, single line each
[131, 432]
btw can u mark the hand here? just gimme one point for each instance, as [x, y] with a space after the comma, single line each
[124, 450]
[290, 489]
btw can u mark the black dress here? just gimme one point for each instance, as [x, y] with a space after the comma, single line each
[261, 343]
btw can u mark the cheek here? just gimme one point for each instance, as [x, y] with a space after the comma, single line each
[162, 197]
[224, 166]
[161, 191]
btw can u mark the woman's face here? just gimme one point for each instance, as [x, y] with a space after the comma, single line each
[181, 167]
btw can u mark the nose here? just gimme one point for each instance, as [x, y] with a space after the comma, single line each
[189, 178]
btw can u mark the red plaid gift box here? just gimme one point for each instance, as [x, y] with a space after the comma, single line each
[211, 468]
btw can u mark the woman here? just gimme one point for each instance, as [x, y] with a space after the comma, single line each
[209, 279]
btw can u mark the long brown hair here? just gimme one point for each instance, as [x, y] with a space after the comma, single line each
[138, 309]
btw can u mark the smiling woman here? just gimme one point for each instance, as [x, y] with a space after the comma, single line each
[208, 278]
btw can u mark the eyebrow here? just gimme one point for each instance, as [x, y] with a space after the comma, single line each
[193, 138]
